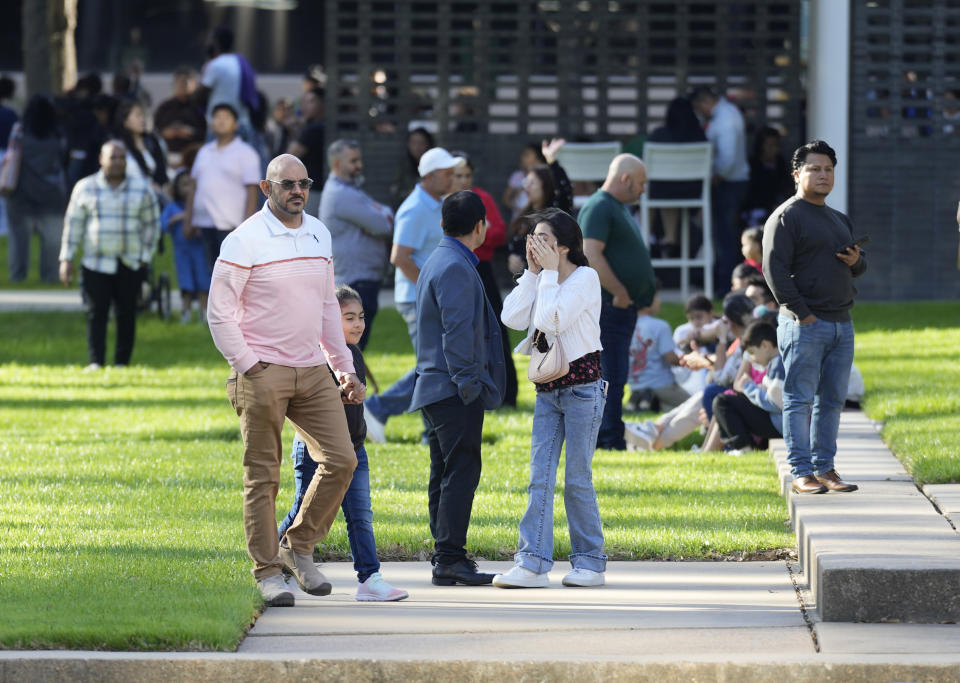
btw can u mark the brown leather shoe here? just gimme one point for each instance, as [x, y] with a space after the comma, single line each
[808, 484]
[833, 482]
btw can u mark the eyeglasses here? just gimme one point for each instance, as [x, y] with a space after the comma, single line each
[287, 185]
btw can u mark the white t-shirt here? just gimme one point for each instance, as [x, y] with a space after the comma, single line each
[651, 340]
[222, 174]
[222, 76]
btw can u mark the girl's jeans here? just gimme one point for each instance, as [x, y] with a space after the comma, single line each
[570, 414]
[356, 507]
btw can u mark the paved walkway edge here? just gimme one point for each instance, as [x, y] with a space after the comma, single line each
[881, 554]
[107, 668]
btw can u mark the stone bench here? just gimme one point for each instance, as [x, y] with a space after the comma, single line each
[883, 553]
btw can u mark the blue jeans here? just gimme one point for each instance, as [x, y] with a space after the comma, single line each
[710, 392]
[356, 507]
[817, 359]
[616, 330]
[396, 399]
[570, 414]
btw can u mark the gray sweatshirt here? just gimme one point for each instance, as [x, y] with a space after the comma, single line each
[800, 244]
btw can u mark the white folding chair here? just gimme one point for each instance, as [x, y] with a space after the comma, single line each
[587, 161]
[681, 161]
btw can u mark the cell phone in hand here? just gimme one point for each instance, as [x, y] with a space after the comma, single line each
[859, 242]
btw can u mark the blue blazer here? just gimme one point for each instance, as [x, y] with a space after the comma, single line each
[459, 348]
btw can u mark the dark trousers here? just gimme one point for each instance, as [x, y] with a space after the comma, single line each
[740, 420]
[485, 268]
[369, 291]
[725, 201]
[616, 330]
[454, 431]
[212, 239]
[99, 291]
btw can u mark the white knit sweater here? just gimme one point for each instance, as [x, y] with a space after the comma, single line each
[572, 308]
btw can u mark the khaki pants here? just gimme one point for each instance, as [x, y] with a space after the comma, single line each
[310, 399]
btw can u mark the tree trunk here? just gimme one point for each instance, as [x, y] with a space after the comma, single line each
[49, 51]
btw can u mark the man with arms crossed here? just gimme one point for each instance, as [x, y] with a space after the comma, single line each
[460, 374]
[274, 316]
[810, 261]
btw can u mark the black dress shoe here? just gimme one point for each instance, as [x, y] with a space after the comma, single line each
[464, 571]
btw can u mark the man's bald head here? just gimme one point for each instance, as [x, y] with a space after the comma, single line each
[282, 166]
[626, 178]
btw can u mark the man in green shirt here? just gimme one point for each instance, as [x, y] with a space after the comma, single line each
[615, 249]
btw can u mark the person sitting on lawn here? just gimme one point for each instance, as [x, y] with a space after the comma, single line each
[724, 365]
[751, 246]
[742, 273]
[356, 502]
[753, 412]
[652, 355]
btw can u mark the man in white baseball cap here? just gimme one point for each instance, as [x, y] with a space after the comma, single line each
[416, 233]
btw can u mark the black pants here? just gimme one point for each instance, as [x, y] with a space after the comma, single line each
[454, 431]
[740, 420]
[485, 268]
[369, 291]
[120, 289]
[212, 239]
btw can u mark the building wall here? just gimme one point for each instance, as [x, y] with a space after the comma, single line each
[905, 145]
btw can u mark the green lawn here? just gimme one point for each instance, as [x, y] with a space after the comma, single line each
[121, 503]
[909, 354]
[122, 491]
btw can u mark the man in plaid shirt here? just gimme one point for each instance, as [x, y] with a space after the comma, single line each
[114, 219]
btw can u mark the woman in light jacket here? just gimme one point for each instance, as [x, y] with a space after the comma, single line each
[559, 294]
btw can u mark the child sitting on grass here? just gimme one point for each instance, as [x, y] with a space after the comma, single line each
[752, 413]
[751, 246]
[652, 355]
[356, 502]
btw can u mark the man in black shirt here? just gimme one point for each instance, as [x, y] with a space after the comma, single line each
[810, 261]
[310, 145]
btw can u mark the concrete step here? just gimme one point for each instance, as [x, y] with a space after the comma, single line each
[883, 553]
[947, 498]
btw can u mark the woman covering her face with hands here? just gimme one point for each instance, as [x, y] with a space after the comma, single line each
[559, 295]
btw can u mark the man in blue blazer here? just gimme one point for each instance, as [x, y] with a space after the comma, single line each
[460, 374]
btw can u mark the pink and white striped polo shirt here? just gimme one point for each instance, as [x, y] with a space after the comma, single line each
[272, 296]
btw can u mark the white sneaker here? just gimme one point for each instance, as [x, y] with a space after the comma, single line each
[521, 577]
[185, 317]
[376, 430]
[737, 452]
[375, 589]
[274, 591]
[583, 578]
[93, 367]
[202, 315]
[640, 435]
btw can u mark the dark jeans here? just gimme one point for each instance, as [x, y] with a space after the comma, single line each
[212, 239]
[100, 290]
[725, 201]
[616, 330]
[369, 291]
[485, 268]
[740, 420]
[357, 511]
[454, 431]
[710, 392]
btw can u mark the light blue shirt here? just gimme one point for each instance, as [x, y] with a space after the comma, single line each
[651, 340]
[417, 227]
[727, 133]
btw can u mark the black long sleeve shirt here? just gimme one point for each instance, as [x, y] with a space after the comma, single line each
[800, 246]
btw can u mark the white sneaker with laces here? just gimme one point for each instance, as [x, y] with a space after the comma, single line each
[375, 589]
[376, 430]
[93, 367]
[521, 577]
[583, 578]
[737, 452]
[640, 435]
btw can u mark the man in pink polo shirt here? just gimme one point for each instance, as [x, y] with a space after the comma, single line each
[274, 317]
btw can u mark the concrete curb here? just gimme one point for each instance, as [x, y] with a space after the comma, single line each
[883, 553]
[77, 667]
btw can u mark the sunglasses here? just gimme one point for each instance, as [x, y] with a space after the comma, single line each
[287, 185]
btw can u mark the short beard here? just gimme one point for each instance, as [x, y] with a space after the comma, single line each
[282, 207]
